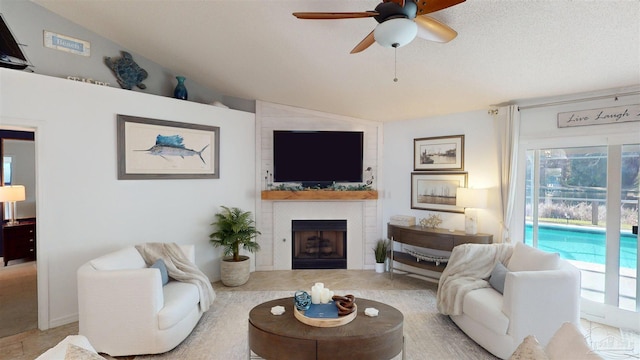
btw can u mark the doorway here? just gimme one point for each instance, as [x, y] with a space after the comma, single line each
[18, 273]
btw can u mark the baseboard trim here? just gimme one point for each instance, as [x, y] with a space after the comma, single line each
[63, 320]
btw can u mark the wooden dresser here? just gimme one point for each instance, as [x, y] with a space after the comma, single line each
[436, 239]
[19, 241]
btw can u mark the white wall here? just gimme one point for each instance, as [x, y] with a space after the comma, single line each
[27, 20]
[83, 211]
[480, 162]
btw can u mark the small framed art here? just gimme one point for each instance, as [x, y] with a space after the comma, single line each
[438, 153]
[437, 191]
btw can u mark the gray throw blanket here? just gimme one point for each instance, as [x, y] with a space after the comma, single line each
[469, 267]
[179, 268]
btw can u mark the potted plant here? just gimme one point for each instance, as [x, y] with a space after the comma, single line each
[380, 252]
[234, 228]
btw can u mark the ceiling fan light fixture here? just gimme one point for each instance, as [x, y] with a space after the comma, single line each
[395, 32]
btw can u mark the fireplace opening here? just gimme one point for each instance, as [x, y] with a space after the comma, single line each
[319, 244]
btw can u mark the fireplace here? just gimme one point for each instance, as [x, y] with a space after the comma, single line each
[319, 244]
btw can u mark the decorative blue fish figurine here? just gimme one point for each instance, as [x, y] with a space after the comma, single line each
[127, 71]
[172, 146]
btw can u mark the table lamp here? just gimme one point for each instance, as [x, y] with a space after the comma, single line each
[11, 194]
[470, 200]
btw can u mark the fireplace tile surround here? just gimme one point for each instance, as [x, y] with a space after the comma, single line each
[276, 228]
[285, 212]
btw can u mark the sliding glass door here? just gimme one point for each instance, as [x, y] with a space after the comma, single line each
[582, 203]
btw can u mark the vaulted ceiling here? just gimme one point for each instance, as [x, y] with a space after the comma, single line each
[505, 50]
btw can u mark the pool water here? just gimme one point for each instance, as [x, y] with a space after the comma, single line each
[588, 245]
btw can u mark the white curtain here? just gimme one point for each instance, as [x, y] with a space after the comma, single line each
[507, 125]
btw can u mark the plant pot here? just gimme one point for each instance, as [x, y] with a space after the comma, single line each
[379, 267]
[235, 273]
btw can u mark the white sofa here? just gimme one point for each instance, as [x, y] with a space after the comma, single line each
[124, 309]
[541, 292]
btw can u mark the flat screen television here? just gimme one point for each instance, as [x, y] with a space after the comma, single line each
[317, 158]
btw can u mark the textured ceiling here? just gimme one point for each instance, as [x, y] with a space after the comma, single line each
[505, 50]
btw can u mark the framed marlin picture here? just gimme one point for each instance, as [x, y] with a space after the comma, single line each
[159, 149]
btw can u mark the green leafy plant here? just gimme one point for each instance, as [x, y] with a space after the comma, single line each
[235, 228]
[380, 250]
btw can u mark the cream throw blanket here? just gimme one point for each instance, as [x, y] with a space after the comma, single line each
[468, 268]
[179, 268]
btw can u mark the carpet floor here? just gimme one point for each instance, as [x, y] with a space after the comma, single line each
[222, 333]
[18, 298]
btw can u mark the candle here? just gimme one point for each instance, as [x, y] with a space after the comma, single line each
[316, 292]
[324, 298]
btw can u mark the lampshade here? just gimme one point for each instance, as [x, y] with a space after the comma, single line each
[395, 32]
[12, 193]
[471, 198]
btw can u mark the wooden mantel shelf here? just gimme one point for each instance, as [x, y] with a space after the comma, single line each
[319, 195]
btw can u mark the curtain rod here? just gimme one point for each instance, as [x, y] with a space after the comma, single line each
[602, 97]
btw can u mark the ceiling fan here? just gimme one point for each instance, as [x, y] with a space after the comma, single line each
[400, 21]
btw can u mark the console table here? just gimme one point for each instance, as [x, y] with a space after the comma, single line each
[19, 241]
[437, 239]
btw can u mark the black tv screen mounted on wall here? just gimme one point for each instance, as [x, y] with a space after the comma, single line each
[318, 158]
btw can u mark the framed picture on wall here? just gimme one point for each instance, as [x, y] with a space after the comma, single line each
[438, 153]
[159, 149]
[437, 191]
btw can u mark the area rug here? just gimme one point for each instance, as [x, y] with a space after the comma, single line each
[222, 331]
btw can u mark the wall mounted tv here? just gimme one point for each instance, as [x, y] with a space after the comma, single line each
[317, 158]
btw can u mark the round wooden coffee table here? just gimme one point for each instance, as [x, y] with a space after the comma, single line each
[285, 337]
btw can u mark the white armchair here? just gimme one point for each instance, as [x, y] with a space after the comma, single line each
[541, 292]
[124, 309]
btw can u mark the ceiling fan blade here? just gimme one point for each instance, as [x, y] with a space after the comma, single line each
[364, 44]
[433, 30]
[334, 15]
[429, 6]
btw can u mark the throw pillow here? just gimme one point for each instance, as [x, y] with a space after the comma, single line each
[529, 349]
[164, 274]
[75, 352]
[496, 280]
[569, 343]
[527, 258]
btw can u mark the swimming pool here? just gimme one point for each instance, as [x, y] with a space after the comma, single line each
[582, 244]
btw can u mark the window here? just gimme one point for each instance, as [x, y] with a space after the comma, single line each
[6, 170]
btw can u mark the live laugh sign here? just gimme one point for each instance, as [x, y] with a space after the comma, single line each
[610, 115]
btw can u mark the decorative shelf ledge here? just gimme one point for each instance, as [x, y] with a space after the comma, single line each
[319, 195]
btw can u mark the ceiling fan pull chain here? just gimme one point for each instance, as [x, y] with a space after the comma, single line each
[395, 62]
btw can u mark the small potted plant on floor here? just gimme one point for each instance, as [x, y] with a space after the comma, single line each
[380, 252]
[234, 228]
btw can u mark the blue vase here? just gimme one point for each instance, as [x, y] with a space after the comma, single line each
[181, 91]
[302, 300]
